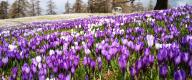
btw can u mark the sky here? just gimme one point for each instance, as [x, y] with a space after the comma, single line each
[60, 4]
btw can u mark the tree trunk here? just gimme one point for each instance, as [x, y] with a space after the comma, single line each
[161, 4]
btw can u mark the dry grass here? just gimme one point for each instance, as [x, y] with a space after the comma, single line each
[16, 21]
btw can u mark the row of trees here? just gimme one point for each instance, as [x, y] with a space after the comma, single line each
[23, 8]
[20, 8]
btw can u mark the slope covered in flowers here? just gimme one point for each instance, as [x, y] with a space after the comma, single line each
[147, 46]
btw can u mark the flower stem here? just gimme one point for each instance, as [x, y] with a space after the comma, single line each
[94, 76]
[100, 77]
[151, 74]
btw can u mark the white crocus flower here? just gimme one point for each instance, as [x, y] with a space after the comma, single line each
[59, 52]
[87, 51]
[125, 41]
[76, 43]
[39, 65]
[150, 40]
[12, 47]
[51, 52]
[38, 59]
[158, 45]
[50, 79]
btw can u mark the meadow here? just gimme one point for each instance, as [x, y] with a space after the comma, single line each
[153, 45]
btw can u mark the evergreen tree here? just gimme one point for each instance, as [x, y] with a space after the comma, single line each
[32, 11]
[51, 8]
[78, 6]
[38, 8]
[67, 7]
[3, 10]
[19, 9]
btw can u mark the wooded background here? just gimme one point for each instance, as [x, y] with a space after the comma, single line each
[25, 8]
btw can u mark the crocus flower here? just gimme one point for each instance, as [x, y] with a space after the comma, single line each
[150, 40]
[61, 76]
[38, 59]
[99, 63]
[151, 58]
[163, 71]
[122, 63]
[180, 75]
[12, 47]
[158, 45]
[147, 51]
[185, 57]
[5, 60]
[51, 52]
[73, 71]
[132, 71]
[177, 59]
[14, 71]
[138, 64]
[87, 51]
[25, 71]
[92, 65]
[1, 63]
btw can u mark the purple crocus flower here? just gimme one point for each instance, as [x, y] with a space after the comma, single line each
[25, 71]
[5, 60]
[163, 71]
[147, 51]
[185, 57]
[86, 61]
[138, 64]
[61, 76]
[14, 72]
[133, 71]
[122, 63]
[108, 57]
[92, 65]
[1, 63]
[72, 71]
[137, 47]
[76, 61]
[33, 68]
[171, 54]
[190, 63]
[177, 59]
[151, 58]
[162, 55]
[25, 68]
[99, 63]
[179, 75]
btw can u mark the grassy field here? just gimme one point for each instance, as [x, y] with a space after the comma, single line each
[17, 21]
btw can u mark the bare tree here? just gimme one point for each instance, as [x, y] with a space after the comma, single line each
[51, 8]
